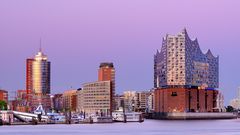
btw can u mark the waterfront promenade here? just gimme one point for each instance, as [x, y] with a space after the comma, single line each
[149, 127]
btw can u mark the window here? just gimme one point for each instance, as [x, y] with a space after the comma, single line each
[174, 94]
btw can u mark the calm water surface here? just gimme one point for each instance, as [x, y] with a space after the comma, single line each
[149, 127]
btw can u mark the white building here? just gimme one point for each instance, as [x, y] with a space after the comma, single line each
[235, 103]
[95, 98]
[220, 103]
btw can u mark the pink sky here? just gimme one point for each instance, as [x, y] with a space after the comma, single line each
[79, 34]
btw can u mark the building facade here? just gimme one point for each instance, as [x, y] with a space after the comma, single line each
[106, 72]
[185, 100]
[21, 103]
[4, 95]
[95, 99]
[235, 103]
[184, 77]
[119, 102]
[136, 101]
[38, 80]
[150, 102]
[41, 74]
[29, 77]
[181, 62]
[58, 103]
[143, 100]
[70, 100]
[130, 101]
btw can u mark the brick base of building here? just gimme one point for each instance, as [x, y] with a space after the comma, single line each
[170, 100]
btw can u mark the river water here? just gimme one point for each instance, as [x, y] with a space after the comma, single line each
[149, 127]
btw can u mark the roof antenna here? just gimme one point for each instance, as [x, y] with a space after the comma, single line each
[40, 45]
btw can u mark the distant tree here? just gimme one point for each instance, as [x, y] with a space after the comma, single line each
[229, 109]
[3, 105]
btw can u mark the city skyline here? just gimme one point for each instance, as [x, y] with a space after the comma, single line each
[130, 39]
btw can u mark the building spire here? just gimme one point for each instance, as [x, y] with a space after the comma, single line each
[40, 45]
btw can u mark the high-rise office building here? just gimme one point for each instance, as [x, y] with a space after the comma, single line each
[106, 72]
[38, 74]
[38, 79]
[41, 74]
[181, 62]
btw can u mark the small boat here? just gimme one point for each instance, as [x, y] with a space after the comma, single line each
[129, 117]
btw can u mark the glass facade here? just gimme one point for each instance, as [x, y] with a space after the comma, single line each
[41, 74]
[181, 62]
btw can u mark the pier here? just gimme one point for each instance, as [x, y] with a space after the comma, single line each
[194, 116]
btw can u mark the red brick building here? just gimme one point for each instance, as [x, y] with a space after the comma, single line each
[184, 100]
[21, 103]
[29, 78]
[4, 95]
[44, 100]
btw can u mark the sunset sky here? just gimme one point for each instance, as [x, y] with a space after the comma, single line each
[79, 34]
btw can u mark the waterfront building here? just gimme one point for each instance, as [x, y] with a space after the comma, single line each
[181, 62]
[41, 74]
[130, 101]
[70, 100]
[58, 103]
[41, 99]
[95, 98]
[29, 77]
[136, 101]
[38, 80]
[143, 100]
[106, 72]
[184, 77]
[185, 100]
[150, 102]
[235, 103]
[119, 99]
[220, 103]
[4, 95]
[21, 103]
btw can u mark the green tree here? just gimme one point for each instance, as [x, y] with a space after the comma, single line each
[229, 109]
[3, 105]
